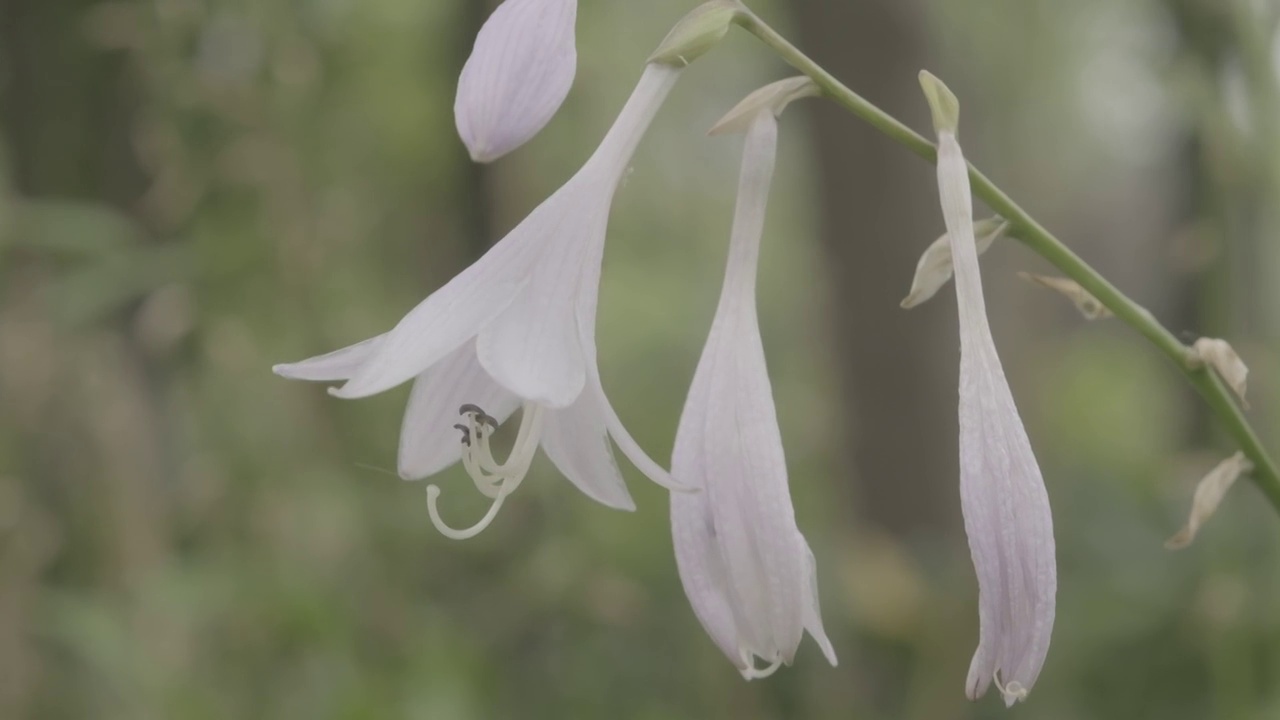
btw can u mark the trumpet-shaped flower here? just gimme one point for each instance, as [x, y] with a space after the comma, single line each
[1006, 508]
[518, 75]
[747, 570]
[515, 330]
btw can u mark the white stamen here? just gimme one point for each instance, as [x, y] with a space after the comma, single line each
[484, 468]
[433, 492]
[488, 485]
[1012, 690]
[492, 479]
[753, 673]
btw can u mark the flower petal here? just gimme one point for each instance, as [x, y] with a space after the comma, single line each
[702, 569]
[448, 318]
[703, 572]
[595, 388]
[518, 75]
[748, 494]
[813, 609]
[533, 348]
[745, 464]
[429, 442]
[337, 365]
[576, 441]
[1009, 526]
[1005, 505]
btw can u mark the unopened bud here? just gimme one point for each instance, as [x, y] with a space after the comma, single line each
[1088, 305]
[697, 33]
[1209, 494]
[1219, 355]
[935, 266]
[942, 103]
[517, 76]
[774, 98]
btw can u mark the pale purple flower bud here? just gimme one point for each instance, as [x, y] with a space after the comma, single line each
[1002, 494]
[746, 568]
[519, 73]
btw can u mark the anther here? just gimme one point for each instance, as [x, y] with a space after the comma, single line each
[479, 414]
[466, 434]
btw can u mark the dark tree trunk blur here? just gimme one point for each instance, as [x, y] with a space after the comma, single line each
[1210, 207]
[878, 212]
[474, 185]
[68, 113]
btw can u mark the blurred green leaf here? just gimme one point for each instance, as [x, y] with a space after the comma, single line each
[69, 227]
[89, 292]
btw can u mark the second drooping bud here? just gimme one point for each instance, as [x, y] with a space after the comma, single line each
[745, 566]
[1002, 493]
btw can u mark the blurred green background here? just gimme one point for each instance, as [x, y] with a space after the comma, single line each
[193, 190]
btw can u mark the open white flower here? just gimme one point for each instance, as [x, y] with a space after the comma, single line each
[746, 568]
[517, 76]
[1002, 494]
[514, 330]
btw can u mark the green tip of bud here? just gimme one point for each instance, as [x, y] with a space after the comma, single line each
[942, 103]
[697, 33]
[773, 98]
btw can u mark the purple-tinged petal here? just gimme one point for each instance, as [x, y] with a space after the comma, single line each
[745, 566]
[576, 440]
[519, 73]
[429, 442]
[336, 365]
[1002, 493]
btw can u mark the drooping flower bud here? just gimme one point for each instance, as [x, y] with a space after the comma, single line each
[1002, 494]
[518, 75]
[745, 566]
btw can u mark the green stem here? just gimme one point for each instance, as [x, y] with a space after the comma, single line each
[1035, 236]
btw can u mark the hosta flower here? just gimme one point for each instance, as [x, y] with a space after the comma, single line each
[1006, 508]
[519, 73]
[515, 330]
[746, 568]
